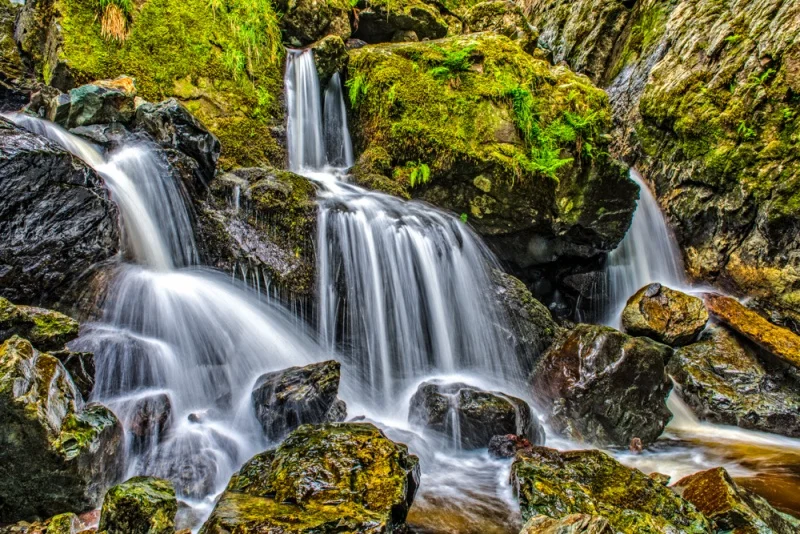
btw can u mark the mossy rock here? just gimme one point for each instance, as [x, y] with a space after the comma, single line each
[140, 505]
[330, 57]
[591, 482]
[306, 21]
[382, 21]
[189, 50]
[477, 126]
[503, 17]
[46, 329]
[665, 315]
[67, 523]
[569, 524]
[322, 479]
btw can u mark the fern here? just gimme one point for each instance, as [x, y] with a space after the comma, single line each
[421, 174]
[357, 89]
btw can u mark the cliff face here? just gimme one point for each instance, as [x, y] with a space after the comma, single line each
[706, 102]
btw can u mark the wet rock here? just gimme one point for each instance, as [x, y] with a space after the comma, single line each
[570, 524]
[665, 315]
[598, 385]
[101, 102]
[61, 524]
[192, 474]
[16, 82]
[505, 18]
[284, 400]
[479, 415]
[781, 342]
[507, 446]
[330, 57]
[150, 420]
[47, 329]
[731, 508]
[306, 21]
[661, 478]
[140, 505]
[724, 381]
[56, 455]
[328, 478]
[81, 368]
[557, 485]
[57, 223]
[380, 20]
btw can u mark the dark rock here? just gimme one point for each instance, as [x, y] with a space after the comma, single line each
[504, 17]
[307, 21]
[330, 57]
[57, 223]
[81, 368]
[598, 385]
[665, 315]
[284, 400]
[140, 505]
[508, 445]
[591, 482]
[479, 414]
[379, 21]
[16, 82]
[48, 330]
[101, 102]
[150, 420]
[345, 477]
[569, 524]
[724, 381]
[108, 136]
[731, 508]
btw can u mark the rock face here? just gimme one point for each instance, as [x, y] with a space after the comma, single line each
[600, 386]
[479, 415]
[781, 342]
[57, 456]
[16, 82]
[141, 505]
[306, 21]
[665, 315]
[725, 381]
[379, 21]
[468, 130]
[46, 329]
[286, 399]
[505, 18]
[591, 482]
[57, 223]
[570, 524]
[329, 478]
[731, 508]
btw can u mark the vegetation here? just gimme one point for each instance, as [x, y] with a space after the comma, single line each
[114, 18]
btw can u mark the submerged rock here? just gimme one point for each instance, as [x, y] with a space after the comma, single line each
[140, 505]
[338, 477]
[557, 485]
[57, 456]
[601, 386]
[569, 524]
[665, 315]
[47, 329]
[284, 400]
[57, 223]
[725, 381]
[731, 508]
[472, 415]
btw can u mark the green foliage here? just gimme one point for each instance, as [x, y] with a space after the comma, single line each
[420, 174]
[126, 6]
[454, 63]
[464, 217]
[357, 86]
[758, 80]
[733, 39]
[745, 132]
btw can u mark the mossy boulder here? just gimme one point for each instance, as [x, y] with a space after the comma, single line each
[724, 380]
[477, 126]
[556, 485]
[57, 454]
[504, 17]
[665, 315]
[67, 523]
[140, 505]
[471, 414]
[306, 21]
[222, 61]
[46, 329]
[730, 507]
[322, 479]
[569, 524]
[383, 21]
[598, 385]
[330, 57]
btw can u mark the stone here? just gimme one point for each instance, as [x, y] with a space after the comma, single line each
[380, 20]
[58, 226]
[503, 17]
[330, 57]
[730, 507]
[48, 330]
[329, 478]
[284, 400]
[479, 414]
[559, 484]
[723, 380]
[67, 523]
[81, 368]
[151, 419]
[665, 315]
[597, 385]
[140, 505]
[507, 446]
[307, 21]
[16, 82]
[57, 456]
[570, 524]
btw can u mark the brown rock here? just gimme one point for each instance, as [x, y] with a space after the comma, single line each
[571, 524]
[666, 315]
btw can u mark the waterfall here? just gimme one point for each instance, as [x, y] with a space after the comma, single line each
[337, 136]
[305, 137]
[647, 254]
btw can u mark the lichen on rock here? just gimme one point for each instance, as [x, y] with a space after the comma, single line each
[665, 315]
[140, 505]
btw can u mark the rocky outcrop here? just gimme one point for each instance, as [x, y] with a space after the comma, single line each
[306, 21]
[468, 130]
[558, 485]
[16, 80]
[471, 414]
[665, 315]
[503, 17]
[284, 400]
[48, 330]
[598, 385]
[382, 21]
[330, 57]
[723, 380]
[57, 455]
[140, 505]
[731, 508]
[321, 479]
[57, 223]
[569, 524]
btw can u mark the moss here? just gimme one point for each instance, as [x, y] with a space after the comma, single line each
[141, 505]
[83, 429]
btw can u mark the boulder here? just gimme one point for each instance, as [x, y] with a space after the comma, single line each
[569, 524]
[101, 102]
[81, 369]
[334, 477]
[781, 342]
[57, 456]
[284, 400]
[380, 20]
[665, 315]
[724, 381]
[479, 414]
[598, 385]
[140, 505]
[330, 57]
[48, 330]
[57, 223]
[733, 509]
[68, 523]
[559, 484]
[507, 446]
[150, 420]
[306, 21]
[16, 82]
[503, 17]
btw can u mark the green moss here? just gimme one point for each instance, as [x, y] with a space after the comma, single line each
[82, 430]
[141, 505]
[650, 19]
